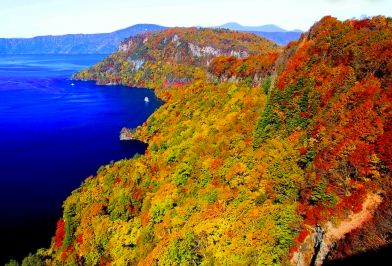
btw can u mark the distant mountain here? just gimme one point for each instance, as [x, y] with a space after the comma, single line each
[264, 28]
[281, 38]
[101, 43]
[107, 43]
[270, 31]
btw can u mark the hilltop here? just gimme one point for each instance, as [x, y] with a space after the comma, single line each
[259, 156]
[173, 56]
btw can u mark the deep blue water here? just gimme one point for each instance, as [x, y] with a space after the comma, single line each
[52, 136]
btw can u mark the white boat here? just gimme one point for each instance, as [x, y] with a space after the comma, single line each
[146, 99]
[72, 84]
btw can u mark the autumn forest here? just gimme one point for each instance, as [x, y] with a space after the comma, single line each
[260, 155]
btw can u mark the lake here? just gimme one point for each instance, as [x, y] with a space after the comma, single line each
[54, 133]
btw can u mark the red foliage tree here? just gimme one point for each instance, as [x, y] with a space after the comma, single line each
[60, 232]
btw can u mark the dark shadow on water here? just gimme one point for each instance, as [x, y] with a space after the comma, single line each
[127, 145]
[27, 233]
[18, 240]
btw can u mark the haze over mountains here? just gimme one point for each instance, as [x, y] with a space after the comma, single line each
[106, 43]
[263, 28]
[269, 31]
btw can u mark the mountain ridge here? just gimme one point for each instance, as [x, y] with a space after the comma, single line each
[99, 43]
[263, 28]
[107, 43]
[270, 31]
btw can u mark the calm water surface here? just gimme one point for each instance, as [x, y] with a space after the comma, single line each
[55, 132]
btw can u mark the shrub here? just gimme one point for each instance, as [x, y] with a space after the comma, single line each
[32, 260]
[12, 263]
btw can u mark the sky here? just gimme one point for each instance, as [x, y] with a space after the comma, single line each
[28, 18]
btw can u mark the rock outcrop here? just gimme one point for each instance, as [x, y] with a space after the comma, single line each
[317, 245]
[126, 134]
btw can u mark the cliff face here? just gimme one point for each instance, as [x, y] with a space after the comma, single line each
[316, 246]
[270, 170]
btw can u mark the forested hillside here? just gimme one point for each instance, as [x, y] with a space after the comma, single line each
[175, 56]
[259, 156]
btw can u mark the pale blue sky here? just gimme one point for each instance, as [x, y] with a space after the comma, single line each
[26, 18]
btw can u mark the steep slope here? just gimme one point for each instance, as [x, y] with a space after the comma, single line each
[172, 57]
[103, 43]
[270, 170]
[333, 92]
